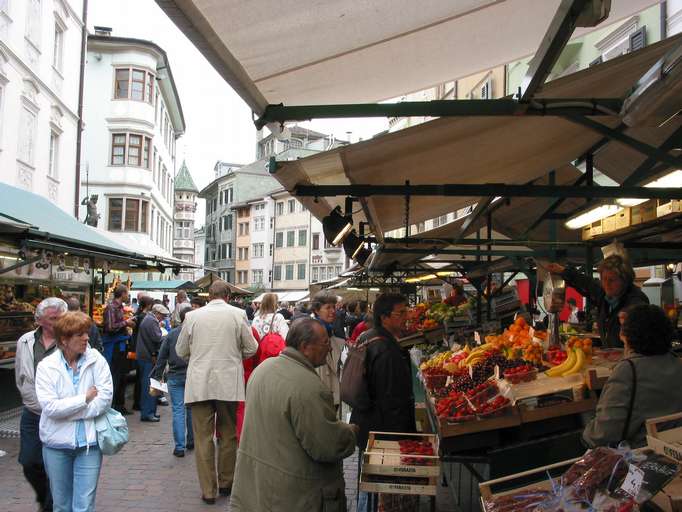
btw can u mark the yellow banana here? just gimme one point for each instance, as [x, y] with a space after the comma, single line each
[579, 363]
[565, 366]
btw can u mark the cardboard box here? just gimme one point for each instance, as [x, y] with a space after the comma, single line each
[644, 212]
[670, 498]
[666, 208]
[597, 228]
[587, 232]
[623, 219]
[608, 225]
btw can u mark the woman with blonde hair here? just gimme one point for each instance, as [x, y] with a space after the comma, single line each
[73, 386]
[269, 321]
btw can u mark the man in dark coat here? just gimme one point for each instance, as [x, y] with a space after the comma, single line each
[612, 293]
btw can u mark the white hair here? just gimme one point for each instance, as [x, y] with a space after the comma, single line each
[50, 303]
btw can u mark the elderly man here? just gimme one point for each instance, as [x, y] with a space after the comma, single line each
[291, 409]
[181, 302]
[215, 339]
[147, 348]
[32, 348]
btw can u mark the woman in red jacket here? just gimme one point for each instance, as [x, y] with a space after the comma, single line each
[249, 366]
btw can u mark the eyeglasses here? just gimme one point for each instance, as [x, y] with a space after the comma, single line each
[400, 313]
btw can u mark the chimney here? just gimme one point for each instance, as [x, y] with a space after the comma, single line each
[103, 31]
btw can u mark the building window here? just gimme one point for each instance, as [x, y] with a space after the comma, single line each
[58, 49]
[257, 276]
[279, 240]
[316, 241]
[53, 163]
[338, 270]
[302, 238]
[316, 274]
[301, 271]
[289, 272]
[291, 238]
[278, 272]
[258, 250]
[128, 214]
[134, 84]
[259, 224]
[130, 147]
[280, 208]
[292, 206]
[323, 273]
[27, 135]
[271, 249]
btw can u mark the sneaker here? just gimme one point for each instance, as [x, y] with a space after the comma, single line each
[179, 453]
[189, 446]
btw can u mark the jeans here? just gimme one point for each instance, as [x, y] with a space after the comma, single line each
[31, 457]
[147, 403]
[73, 477]
[182, 416]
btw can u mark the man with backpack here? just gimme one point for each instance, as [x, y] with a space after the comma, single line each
[387, 380]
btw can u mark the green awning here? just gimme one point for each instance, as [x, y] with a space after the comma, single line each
[173, 284]
[50, 221]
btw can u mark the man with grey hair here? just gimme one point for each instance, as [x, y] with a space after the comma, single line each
[32, 348]
[181, 302]
[289, 407]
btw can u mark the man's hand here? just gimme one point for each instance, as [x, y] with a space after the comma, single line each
[555, 268]
[90, 394]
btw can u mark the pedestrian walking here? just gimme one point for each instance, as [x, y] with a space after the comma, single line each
[145, 303]
[181, 302]
[147, 349]
[271, 326]
[292, 410]
[215, 340]
[115, 343]
[324, 311]
[32, 348]
[73, 386]
[176, 376]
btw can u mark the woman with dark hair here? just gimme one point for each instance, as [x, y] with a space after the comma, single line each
[644, 385]
[324, 311]
[612, 293]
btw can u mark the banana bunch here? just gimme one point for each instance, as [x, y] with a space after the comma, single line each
[436, 361]
[573, 364]
[475, 356]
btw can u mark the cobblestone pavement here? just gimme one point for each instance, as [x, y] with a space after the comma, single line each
[144, 476]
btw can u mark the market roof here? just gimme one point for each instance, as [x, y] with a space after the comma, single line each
[207, 280]
[480, 149]
[274, 51]
[173, 284]
[184, 181]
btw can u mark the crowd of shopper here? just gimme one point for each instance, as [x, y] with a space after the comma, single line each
[271, 377]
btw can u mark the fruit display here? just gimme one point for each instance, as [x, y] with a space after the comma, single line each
[583, 343]
[442, 312]
[516, 342]
[416, 448]
[556, 355]
[522, 373]
[424, 316]
[574, 363]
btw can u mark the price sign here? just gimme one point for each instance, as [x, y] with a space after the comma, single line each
[471, 371]
[633, 481]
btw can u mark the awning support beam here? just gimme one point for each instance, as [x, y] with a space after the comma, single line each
[647, 150]
[480, 209]
[558, 33]
[442, 108]
[488, 189]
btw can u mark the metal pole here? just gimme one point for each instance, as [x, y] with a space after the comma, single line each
[489, 298]
[81, 83]
[479, 297]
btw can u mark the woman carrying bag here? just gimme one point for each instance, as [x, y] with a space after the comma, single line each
[272, 328]
[74, 387]
[644, 385]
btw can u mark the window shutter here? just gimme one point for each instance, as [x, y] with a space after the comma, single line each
[638, 39]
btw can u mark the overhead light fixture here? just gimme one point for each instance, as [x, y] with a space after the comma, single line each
[352, 245]
[375, 289]
[671, 180]
[336, 226]
[446, 274]
[593, 215]
[354, 289]
[418, 279]
[362, 255]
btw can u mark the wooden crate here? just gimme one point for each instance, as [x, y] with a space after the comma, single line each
[587, 232]
[644, 212]
[596, 228]
[608, 225]
[666, 442]
[623, 219]
[432, 336]
[383, 459]
[670, 207]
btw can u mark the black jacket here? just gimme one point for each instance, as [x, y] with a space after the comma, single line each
[177, 366]
[389, 379]
[148, 338]
[607, 319]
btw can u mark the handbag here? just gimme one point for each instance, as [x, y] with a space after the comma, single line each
[271, 344]
[354, 389]
[626, 427]
[112, 431]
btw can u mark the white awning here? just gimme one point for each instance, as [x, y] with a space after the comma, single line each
[326, 52]
[476, 150]
[296, 296]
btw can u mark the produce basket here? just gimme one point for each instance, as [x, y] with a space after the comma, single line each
[389, 468]
[664, 435]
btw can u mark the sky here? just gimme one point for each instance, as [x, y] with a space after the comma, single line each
[219, 124]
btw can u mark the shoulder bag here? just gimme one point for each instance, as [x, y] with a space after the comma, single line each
[112, 431]
[354, 387]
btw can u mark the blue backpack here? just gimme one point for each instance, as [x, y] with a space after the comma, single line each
[112, 431]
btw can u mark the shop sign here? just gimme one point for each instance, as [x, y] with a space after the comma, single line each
[29, 271]
[72, 277]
